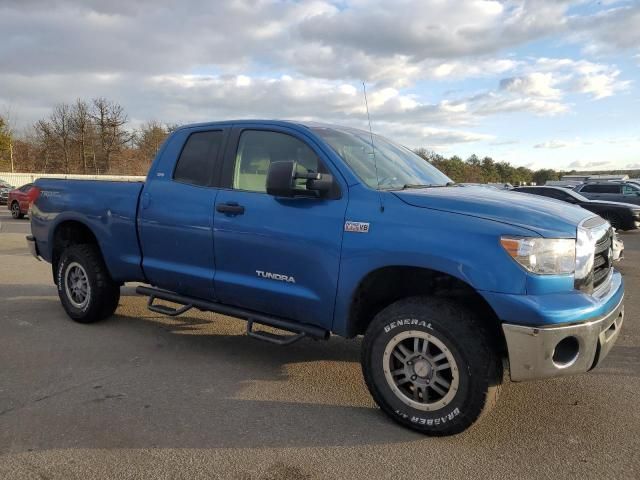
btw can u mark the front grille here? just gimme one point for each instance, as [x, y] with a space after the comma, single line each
[603, 259]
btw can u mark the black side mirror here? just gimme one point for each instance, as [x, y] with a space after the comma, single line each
[282, 176]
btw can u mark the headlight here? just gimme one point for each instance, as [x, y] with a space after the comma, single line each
[543, 256]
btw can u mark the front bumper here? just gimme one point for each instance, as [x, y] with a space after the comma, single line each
[542, 352]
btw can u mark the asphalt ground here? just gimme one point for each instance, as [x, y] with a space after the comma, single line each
[146, 396]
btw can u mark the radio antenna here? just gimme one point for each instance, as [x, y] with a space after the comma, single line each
[373, 148]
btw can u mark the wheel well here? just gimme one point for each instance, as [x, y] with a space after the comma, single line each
[66, 234]
[386, 285]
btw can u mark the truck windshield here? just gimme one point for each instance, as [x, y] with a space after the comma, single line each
[397, 167]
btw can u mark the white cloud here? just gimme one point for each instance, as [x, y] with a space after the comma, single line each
[287, 59]
[533, 84]
[582, 76]
[579, 164]
[553, 144]
[608, 30]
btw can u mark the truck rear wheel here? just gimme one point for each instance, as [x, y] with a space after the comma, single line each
[86, 290]
[429, 366]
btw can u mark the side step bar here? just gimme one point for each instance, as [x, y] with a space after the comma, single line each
[300, 330]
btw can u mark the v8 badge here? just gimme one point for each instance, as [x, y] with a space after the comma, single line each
[356, 227]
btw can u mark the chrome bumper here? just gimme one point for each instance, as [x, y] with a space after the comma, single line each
[33, 246]
[544, 352]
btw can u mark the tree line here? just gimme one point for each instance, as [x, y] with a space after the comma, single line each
[487, 170]
[85, 137]
[94, 137]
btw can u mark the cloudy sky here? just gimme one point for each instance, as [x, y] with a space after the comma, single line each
[540, 83]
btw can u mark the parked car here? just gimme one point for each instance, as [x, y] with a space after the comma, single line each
[614, 191]
[570, 184]
[623, 216]
[20, 200]
[5, 188]
[481, 185]
[298, 226]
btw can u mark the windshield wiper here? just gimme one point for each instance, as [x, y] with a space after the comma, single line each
[409, 186]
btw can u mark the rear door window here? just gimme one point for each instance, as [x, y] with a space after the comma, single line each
[199, 158]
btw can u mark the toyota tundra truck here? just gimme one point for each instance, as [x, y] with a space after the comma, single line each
[310, 230]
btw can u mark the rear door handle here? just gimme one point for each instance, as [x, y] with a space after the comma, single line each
[230, 208]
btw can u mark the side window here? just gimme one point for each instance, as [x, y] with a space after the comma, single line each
[629, 190]
[564, 196]
[198, 157]
[257, 149]
[601, 188]
[25, 188]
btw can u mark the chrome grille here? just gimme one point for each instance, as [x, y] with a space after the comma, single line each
[603, 259]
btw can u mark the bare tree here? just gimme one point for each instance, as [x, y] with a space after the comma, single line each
[109, 118]
[149, 138]
[61, 123]
[82, 129]
[6, 145]
[45, 138]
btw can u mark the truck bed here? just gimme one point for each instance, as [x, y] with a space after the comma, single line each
[108, 208]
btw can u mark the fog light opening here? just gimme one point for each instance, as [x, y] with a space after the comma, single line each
[566, 352]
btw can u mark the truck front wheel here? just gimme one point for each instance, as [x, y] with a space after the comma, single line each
[85, 288]
[429, 365]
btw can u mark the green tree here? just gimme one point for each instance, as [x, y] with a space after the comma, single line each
[542, 176]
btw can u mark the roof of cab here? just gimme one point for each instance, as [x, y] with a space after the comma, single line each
[272, 122]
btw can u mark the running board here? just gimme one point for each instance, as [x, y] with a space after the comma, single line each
[299, 330]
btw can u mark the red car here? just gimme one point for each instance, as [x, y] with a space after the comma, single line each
[20, 199]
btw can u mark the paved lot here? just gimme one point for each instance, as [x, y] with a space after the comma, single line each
[147, 396]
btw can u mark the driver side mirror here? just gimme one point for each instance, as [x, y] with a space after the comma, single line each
[282, 176]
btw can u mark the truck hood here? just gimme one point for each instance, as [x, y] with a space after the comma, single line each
[547, 217]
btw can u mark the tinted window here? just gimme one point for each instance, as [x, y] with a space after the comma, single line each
[601, 188]
[25, 188]
[198, 157]
[629, 190]
[557, 194]
[256, 151]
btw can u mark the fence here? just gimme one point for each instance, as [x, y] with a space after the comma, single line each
[18, 179]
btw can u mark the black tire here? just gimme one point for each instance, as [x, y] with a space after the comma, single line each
[102, 293]
[15, 211]
[474, 375]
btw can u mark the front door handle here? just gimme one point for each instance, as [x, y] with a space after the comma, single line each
[230, 208]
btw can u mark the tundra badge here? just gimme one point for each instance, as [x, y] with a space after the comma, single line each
[276, 276]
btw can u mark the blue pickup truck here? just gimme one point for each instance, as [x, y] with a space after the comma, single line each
[314, 229]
